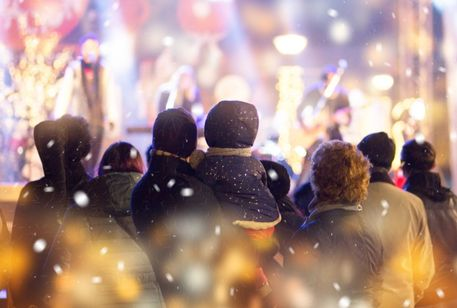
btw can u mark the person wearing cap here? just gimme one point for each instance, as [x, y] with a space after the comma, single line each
[418, 160]
[174, 213]
[399, 218]
[333, 255]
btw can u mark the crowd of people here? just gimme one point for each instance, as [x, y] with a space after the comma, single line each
[218, 228]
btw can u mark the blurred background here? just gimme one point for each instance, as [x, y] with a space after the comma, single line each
[401, 72]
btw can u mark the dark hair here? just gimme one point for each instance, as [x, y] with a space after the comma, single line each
[175, 131]
[77, 137]
[121, 157]
[418, 156]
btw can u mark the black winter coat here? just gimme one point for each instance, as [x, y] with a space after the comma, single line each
[441, 208]
[176, 215]
[39, 213]
[334, 255]
[239, 182]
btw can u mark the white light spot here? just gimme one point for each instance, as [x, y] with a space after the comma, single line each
[50, 143]
[107, 167]
[187, 192]
[440, 293]
[332, 13]
[291, 250]
[81, 198]
[169, 277]
[20, 150]
[340, 31]
[408, 72]
[133, 153]
[171, 183]
[156, 187]
[104, 251]
[120, 266]
[420, 138]
[344, 302]
[407, 303]
[232, 291]
[96, 280]
[273, 174]
[316, 245]
[39, 245]
[57, 269]
[88, 157]
[385, 207]
[217, 230]
[337, 286]
[48, 189]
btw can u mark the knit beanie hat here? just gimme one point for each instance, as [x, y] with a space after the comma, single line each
[418, 156]
[175, 131]
[379, 149]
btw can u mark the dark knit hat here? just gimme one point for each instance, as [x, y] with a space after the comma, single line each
[379, 149]
[175, 131]
[231, 124]
[418, 156]
[278, 180]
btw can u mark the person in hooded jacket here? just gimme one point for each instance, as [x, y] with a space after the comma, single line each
[418, 160]
[398, 217]
[239, 180]
[41, 205]
[333, 256]
[98, 243]
[176, 215]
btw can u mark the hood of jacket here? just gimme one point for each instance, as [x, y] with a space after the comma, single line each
[49, 141]
[427, 184]
[231, 124]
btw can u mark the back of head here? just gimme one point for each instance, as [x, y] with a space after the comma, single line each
[278, 180]
[339, 173]
[175, 132]
[77, 137]
[231, 124]
[121, 157]
[417, 156]
[379, 149]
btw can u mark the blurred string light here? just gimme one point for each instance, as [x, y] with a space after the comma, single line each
[408, 115]
[290, 87]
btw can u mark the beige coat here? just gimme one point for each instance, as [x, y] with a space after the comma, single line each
[71, 93]
[399, 218]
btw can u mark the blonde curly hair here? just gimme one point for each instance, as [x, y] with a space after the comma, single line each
[339, 173]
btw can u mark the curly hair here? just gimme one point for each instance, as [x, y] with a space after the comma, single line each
[339, 173]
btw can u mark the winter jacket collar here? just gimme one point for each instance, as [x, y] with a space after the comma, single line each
[169, 165]
[428, 184]
[380, 175]
[317, 208]
[244, 152]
